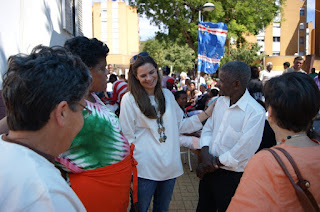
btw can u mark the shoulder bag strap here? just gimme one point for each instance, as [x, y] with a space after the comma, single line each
[307, 203]
[302, 183]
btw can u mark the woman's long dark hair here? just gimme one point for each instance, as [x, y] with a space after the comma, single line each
[139, 93]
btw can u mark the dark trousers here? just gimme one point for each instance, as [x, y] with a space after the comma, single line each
[216, 190]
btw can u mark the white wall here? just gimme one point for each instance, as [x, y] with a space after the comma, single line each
[87, 18]
[25, 24]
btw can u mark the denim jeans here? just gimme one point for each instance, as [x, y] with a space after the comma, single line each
[160, 190]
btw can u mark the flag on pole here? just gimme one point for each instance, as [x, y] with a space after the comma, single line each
[212, 37]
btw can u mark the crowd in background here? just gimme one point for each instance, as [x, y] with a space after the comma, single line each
[73, 123]
[194, 93]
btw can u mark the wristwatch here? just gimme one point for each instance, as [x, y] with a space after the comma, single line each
[215, 162]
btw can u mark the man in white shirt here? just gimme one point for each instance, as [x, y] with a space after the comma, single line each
[229, 138]
[266, 74]
[297, 66]
[44, 97]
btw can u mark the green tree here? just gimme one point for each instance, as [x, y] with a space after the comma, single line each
[246, 53]
[180, 57]
[180, 17]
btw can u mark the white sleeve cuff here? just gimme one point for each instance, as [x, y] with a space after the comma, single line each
[227, 160]
[204, 142]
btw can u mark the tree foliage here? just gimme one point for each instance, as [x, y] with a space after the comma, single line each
[181, 58]
[180, 17]
[246, 53]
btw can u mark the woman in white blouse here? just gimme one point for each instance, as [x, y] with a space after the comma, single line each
[152, 120]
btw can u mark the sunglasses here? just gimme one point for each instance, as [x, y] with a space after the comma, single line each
[134, 58]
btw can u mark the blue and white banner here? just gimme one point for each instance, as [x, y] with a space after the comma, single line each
[212, 37]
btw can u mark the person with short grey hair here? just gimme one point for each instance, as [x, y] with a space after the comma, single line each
[229, 138]
[243, 76]
[44, 97]
[266, 74]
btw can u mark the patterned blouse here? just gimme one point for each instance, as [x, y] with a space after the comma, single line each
[99, 143]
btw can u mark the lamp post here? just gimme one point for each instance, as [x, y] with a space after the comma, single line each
[205, 7]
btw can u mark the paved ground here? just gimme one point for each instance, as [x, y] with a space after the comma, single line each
[185, 194]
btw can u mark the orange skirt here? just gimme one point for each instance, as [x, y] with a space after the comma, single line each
[107, 188]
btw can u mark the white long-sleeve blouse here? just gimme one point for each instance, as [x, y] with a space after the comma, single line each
[156, 161]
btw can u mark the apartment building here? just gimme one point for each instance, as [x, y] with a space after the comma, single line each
[117, 25]
[289, 35]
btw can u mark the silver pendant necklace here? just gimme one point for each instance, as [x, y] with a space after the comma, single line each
[161, 128]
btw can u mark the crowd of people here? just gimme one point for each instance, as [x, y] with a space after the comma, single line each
[69, 143]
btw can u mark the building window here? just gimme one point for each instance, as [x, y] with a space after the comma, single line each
[301, 40]
[103, 15]
[302, 11]
[276, 39]
[68, 16]
[275, 53]
[276, 25]
[115, 28]
[72, 16]
[104, 31]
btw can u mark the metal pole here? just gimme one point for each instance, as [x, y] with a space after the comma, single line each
[298, 39]
[198, 72]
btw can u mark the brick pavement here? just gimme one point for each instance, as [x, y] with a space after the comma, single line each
[185, 194]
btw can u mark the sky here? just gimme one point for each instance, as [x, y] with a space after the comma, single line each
[146, 29]
[310, 11]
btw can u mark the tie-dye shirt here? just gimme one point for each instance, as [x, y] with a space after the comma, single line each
[99, 143]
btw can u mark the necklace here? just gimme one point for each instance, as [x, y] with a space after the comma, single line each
[161, 128]
[292, 136]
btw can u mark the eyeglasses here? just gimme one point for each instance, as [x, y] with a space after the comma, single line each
[134, 58]
[86, 113]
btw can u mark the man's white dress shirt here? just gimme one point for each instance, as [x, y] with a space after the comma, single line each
[234, 132]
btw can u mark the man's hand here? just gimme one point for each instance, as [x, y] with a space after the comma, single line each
[207, 163]
[201, 171]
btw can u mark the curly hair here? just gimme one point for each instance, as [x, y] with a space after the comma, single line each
[238, 70]
[89, 50]
[34, 84]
